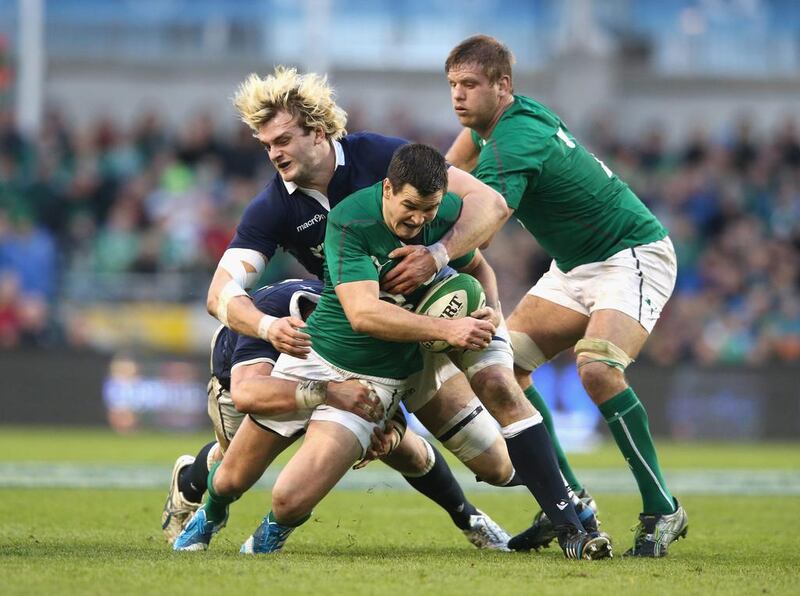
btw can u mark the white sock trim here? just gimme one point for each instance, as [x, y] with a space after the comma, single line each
[513, 429]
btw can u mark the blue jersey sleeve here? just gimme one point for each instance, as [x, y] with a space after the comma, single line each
[263, 223]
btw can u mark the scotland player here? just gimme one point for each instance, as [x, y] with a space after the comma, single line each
[241, 382]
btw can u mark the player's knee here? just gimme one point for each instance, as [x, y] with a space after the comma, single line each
[288, 506]
[528, 356]
[498, 390]
[230, 482]
[522, 376]
[601, 366]
[413, 457]
[598, 379]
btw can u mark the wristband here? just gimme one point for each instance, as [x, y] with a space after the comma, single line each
[439, 254]
[310, 394]
[264, 325]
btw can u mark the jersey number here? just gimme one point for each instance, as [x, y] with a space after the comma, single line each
[571, 144]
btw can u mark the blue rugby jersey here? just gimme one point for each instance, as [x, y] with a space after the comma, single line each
[229, 348]
[296, 221]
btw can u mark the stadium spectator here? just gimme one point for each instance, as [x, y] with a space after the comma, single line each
[732, 206]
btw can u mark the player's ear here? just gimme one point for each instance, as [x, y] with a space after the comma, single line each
[504, 85]
[387, 188]
[319, 135]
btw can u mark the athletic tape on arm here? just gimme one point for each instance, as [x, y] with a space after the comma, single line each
[230, 290]
[309, 394]
[439, 253]
[238, 262]
[602, 350]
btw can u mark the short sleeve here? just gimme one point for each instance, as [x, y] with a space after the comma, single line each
[261, 225]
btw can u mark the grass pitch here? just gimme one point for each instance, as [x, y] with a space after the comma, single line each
[96, 541]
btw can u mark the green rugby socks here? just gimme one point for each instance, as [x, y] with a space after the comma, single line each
[538, 402]
[627, 419]
[216, 505]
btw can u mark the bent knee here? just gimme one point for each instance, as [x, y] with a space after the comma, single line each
[600, 380]
[230, 482]
[500, 392]
[289, 507]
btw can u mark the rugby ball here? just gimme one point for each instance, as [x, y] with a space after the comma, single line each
[451, 298]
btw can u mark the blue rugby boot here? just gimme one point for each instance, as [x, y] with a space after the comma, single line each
[198, 532]
[269, 537]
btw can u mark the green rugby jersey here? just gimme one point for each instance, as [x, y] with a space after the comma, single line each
[357, 245]
[574, 206]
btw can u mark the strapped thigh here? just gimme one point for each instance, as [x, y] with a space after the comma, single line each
[602, 350]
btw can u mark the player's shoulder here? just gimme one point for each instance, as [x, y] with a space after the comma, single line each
[526, 115]
[274, 193]
[359, 206]
[366, 144]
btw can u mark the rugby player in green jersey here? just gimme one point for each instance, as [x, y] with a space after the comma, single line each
[356, 334]
[613, 267]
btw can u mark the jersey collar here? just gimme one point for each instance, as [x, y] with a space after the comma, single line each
[291, 187]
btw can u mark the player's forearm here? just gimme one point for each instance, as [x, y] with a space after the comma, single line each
[264, 396]
[391, 323]
[481, 217]
[234, 308]
[483, 212]
[463, 153]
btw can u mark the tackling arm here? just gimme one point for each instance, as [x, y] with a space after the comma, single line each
[480, 269]
[483, 213]
[228, 301]
[463, 153]
[255, 391]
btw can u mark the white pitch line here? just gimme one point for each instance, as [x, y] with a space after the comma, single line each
[378, 477]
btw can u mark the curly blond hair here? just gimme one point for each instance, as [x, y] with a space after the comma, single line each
[307, 96]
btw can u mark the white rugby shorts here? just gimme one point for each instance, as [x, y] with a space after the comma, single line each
[316, 368]
[637, 281]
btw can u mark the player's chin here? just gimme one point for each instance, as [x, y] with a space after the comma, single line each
[288, 174]
[408, 232]
[464, 118]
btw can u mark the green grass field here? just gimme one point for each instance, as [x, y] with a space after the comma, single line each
[370, 541]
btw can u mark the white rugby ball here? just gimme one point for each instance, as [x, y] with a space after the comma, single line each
[454, 297]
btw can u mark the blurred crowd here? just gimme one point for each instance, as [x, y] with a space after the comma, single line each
[109, 200]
